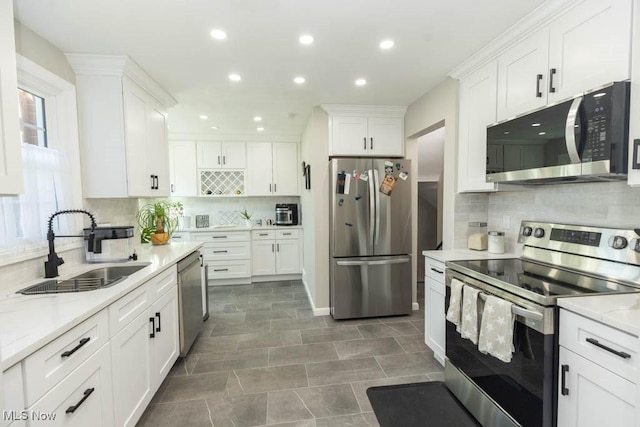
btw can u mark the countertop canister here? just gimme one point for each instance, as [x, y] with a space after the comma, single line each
[495, 242]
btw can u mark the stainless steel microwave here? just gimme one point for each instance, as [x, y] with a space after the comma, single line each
[582, 139]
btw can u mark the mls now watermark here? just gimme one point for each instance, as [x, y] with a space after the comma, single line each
[28, 415]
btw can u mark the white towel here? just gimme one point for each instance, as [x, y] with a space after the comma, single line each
[469, 314]
[496, 329]
[453, 314]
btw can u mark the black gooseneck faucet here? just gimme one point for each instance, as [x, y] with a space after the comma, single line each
[53, 260]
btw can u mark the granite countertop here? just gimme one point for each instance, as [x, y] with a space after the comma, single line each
[620, 311]
[241, 228]
[465, 254]
[28, 322]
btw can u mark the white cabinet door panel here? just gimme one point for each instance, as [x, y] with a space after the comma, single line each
[596, 397]
[590, 46]
[285, 169]
[184, 174]
[386, 136]
[435, 317]
[477, 111]
[263, 257]
[348, 136]
[10, 148]
[158, 148]
[259, 169]
[139, 180]
[287, 257]
[518, 70]
[209, 155]
[133, 379]
[166, 346]
[234, 155]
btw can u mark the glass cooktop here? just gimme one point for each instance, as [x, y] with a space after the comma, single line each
[536, 282]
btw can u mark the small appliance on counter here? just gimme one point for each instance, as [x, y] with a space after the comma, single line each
[286, 214]
[111, 244]
[477, 239]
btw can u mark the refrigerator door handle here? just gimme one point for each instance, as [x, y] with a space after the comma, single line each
[377, 196]
[377, 262]
[372, 206]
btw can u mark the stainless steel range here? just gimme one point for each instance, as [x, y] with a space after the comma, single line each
[558, 260]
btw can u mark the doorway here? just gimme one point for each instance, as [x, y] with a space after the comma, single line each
[430, 182]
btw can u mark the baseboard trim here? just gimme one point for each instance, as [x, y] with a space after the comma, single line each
[275, 278]
[415, 306]
[227, 282]
[323, 311]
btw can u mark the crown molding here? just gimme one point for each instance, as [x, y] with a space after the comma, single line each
[118, 65]
[364, 110]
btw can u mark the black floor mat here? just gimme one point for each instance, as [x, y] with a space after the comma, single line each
[420, 405]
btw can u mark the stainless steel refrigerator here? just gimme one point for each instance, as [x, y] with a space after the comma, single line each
[370, 241]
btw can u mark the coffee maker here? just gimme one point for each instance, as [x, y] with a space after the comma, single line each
[286, 214]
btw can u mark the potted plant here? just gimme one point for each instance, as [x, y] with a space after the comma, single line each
[158, 221]
[246, 216]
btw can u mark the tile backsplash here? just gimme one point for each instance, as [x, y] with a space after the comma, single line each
[227, 210]
[609, 204]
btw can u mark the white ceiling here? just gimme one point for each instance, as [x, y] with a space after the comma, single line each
[170, 40]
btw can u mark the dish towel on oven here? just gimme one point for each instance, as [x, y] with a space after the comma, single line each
[453, 313]
[496, 329]
[469, 314]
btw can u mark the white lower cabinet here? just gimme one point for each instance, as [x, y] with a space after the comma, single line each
[83, 398]
[275, 252]
[598, 374]
[143, 353]
[227, 254]
[434, 311]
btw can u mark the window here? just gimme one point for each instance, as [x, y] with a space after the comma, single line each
[33, 128]
[51, 167]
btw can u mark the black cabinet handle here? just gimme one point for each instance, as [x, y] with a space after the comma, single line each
[152, 182]
[269, 188]
[437, 271]
[220, 252]
[371, 145]
[153, 327]
[218, 237]
[286, 234]
[172, 190]
[277, 247]
[218, 159]
[365, 142]
[71, 409]
[609, 349]
[538, 80]
[224, 160]
[275, 188]
[563, 380]
[552, 72]
[159, 328]
[273, 249]
[220, 269]
[263, 234]
[82, 342]
[157, 182]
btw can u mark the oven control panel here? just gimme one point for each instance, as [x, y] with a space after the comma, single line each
[613, 244]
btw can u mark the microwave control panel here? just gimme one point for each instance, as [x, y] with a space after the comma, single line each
[597, 109]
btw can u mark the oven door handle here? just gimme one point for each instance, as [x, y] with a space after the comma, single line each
[519, 311]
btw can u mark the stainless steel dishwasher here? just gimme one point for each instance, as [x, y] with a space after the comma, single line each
[189, 300]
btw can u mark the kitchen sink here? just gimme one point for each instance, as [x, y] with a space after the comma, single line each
[91, 280]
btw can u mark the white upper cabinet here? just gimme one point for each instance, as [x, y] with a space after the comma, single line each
[590, 46]
[366, 131]
[272, 169]
[10, 151]
[183, 168]
[522, 77]
[221, 155]
[583, 48]
[477, 110]
[123, 128]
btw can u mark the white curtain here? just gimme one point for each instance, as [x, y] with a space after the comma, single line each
[47, 189]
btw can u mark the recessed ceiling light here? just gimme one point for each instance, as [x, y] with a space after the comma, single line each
[257, 119]
[218, 34]
[361, 82]
[214, 127]
[386, 44]
[535, 125]
[506, 132]
[235, 77]
[306, 39]
[542, 133]
[204, 116]
[260, 129]
[299, 80]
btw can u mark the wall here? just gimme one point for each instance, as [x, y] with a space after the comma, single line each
[43, 53]
[427, 220]
[601, 204]
[315, 205]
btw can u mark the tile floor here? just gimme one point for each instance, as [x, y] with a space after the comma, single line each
[264, 359]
